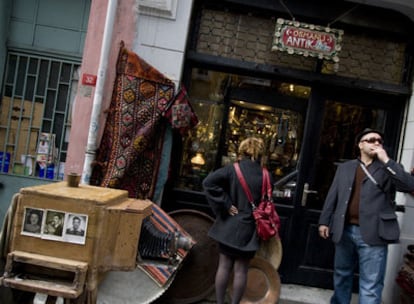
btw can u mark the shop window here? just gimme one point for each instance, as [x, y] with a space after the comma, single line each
[226, 120]
[280, 129]
[201, 146]
[35, 115]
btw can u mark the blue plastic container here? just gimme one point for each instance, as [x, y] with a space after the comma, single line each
[4, 166]
[42, 171]
[50, 171]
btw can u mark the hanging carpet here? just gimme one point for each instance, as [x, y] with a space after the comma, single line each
[129, 154]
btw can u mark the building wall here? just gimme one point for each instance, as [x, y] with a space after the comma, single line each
[161, 40]
[123, 30]
[155, 36]
[246, 38]
[33, 27]
[396, 252]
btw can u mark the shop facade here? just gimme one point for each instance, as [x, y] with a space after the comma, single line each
[306, 108]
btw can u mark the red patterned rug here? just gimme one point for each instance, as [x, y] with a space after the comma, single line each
[130, 150]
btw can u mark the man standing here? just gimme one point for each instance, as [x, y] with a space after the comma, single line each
[359, 217]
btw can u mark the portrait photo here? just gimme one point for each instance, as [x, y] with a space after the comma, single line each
[76, 228]
[32, 221]
[53, 225]
[75, 224]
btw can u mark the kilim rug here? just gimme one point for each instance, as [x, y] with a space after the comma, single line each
[130, 150]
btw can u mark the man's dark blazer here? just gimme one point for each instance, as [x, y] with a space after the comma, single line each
[375, 202]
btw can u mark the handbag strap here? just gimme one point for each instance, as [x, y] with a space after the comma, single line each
[243, 183]
[265, 184]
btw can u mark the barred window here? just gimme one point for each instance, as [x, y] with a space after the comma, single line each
[35, 115]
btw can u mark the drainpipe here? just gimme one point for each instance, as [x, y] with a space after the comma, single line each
[98, 96]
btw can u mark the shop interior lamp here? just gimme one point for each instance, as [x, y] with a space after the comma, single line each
[198, 160]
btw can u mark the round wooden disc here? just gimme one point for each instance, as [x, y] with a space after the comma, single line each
[195, 279]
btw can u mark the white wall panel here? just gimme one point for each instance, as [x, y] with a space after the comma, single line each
[161, 41]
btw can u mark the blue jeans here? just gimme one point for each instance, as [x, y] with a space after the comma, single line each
[372, 263]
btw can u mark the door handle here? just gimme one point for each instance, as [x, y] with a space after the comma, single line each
[305, 193]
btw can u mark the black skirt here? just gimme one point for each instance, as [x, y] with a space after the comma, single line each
[235, 253]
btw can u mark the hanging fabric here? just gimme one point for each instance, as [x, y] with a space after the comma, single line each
[180, 113]
[130, 151]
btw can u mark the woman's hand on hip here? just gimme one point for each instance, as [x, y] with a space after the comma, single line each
[233, 210]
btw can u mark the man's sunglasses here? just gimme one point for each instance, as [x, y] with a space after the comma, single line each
[373, 140]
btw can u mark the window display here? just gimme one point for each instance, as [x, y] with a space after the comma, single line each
[224, 121]
[201, 145]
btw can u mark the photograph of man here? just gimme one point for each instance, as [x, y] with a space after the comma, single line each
[33, 220]
[54, 223]
[76, 228]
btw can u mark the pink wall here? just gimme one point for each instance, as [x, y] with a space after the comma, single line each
[124, 29]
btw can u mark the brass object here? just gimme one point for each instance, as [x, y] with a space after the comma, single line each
[73, 179]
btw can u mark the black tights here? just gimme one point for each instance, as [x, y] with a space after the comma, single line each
[226, 264]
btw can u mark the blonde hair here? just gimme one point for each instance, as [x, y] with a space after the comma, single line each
[252, 147]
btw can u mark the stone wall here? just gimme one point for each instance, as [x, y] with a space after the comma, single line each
[249, 38]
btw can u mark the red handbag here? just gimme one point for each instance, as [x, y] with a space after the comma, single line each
[267, 219]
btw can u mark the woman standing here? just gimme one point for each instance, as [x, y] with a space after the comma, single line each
[234, 227]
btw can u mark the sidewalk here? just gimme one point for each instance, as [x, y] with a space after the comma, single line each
[289, 294]
[296, 294]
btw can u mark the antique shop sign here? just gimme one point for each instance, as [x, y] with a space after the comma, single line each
[307, 39]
